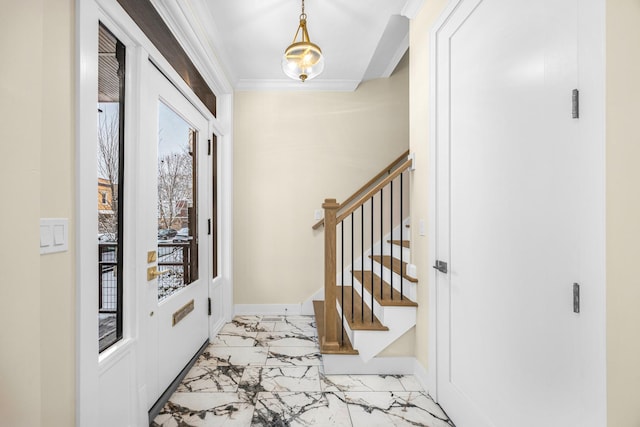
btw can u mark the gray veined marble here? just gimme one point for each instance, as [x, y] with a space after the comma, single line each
[239, 356]
[202, 378]
[267, 371]
[369, 383]
[294, 356]
[205, 410]
[241, 324]
[301, 409]
[286, 339]
[299, 324]
[234, 340]
[384, 409]
[286, 378]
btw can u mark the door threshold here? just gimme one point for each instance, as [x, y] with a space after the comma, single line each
[164, 398]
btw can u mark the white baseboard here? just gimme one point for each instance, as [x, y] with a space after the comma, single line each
[422, 375]
[307, 306]
[336, 364]
[279, 309]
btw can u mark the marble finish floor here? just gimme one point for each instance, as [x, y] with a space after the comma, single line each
[267, 371]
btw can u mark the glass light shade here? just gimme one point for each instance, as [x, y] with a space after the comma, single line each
[303, 60]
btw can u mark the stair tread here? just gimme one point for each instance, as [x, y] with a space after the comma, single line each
[403, 243]
[357, 324]
[364, 277]
[395, 266]
[345, 347]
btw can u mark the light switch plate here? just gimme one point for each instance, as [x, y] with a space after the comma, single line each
[54, 235]
[46, 236]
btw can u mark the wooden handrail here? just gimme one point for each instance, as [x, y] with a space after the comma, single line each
[380, 174]
[406, 165]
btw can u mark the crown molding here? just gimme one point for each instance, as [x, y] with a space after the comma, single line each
[182, 21]
[411, 8]
[292, 85]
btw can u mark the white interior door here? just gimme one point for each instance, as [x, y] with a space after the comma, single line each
[509, 222]
[174, 205]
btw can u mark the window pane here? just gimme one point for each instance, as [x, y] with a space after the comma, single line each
[177, 231]
[110, 186]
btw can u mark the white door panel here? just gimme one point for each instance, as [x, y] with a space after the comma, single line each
[167, 116]
[510, 349]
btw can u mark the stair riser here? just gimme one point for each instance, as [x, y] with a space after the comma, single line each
[371, 343]
[381, 312]
[409, 289]
[395, 250]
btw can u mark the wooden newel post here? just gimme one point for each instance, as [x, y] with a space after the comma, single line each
[330, 339]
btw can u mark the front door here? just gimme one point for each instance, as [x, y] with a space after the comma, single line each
[514, 221]
[173, 204]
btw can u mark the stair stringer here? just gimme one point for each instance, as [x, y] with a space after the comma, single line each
[370, 343]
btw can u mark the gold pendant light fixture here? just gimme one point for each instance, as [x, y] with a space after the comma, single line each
[302, 59]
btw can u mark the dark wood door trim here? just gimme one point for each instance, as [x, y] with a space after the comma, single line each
[150, 22]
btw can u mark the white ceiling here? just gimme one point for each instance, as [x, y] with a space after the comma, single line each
[360, 39]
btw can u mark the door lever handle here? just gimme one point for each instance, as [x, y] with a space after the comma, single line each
[152, 273]
[441, 266]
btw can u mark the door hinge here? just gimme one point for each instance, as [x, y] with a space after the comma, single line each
[209, 227]
[441, 266]
[209, 306]
[575, 104]
[208, 147]
[576, 298]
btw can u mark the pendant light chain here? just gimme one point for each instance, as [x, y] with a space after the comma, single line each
[303, 15]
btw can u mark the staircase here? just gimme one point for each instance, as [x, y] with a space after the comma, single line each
[367, 251]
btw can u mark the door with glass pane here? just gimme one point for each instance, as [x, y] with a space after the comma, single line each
[173, 211]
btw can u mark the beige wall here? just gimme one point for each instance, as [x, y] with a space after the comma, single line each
[37, 308]
[623, 213]
[291, 151]
[419, 116]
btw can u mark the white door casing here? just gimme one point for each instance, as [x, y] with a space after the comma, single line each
[112, 388]
[511, 180]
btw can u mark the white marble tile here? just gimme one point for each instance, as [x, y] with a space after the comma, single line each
[361, 383]
[202, 378]
[411, 383]
[272, 318]
[286, 378]
[384, 409]
[248, 324]
[232, 340]
[205, 410]
[285, 339]
[300, 409]
[294, 356]
[299, 317]
[247, 318]
[239, 356]
[299, 327]
[240, 329]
